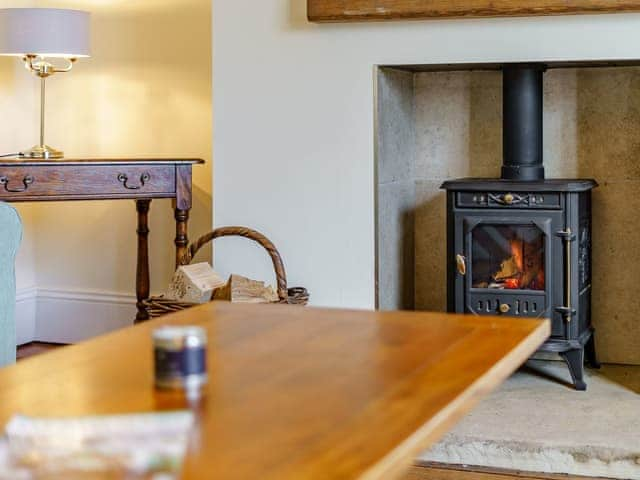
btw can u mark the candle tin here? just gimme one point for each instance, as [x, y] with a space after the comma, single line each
[180, 355]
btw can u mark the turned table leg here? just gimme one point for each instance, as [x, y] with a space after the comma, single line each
[142, 272]
[182, 240]
[182, 206]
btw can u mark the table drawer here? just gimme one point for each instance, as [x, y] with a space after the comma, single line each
[96, 180]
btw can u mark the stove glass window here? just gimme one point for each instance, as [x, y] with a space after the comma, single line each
[507, 257]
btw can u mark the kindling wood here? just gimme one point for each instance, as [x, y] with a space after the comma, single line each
[363, 10]
[241, 289]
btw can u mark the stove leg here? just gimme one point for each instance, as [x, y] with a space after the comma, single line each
[575, 362]
[590, 352]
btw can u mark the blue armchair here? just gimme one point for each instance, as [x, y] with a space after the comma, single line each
[10, 236]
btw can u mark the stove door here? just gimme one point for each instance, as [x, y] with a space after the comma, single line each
[504, 263]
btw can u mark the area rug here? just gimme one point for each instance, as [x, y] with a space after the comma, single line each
[535, 422]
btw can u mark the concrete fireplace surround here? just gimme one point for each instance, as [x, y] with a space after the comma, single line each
[437, 125]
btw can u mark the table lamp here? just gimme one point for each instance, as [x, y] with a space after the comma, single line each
[49, 40]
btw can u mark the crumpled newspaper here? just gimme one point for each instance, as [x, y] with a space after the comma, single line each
[151, 445]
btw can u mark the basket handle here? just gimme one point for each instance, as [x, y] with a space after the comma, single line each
[254, 235]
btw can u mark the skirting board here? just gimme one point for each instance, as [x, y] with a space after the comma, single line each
[26, 306]
[70, 316]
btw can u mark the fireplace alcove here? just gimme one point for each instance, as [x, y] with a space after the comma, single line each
[436, 123]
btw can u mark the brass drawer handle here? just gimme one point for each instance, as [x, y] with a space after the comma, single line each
[124, 179]
[26, 181]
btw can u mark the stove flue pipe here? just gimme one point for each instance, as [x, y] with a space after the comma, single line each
[522, 122]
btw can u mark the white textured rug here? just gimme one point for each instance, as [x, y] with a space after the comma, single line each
[536, 424]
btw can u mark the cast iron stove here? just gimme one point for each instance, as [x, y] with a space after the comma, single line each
[521, 245]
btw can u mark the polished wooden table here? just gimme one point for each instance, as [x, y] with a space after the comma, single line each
[140, 179]
[295, 393]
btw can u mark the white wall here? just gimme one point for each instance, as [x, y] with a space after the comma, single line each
[294, 122]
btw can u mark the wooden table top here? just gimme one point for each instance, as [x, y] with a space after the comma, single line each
[295, 393]
[35, 162]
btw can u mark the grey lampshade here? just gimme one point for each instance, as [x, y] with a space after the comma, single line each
[49, 32]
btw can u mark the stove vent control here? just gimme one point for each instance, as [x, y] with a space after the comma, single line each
[479, 199]
[537, 200]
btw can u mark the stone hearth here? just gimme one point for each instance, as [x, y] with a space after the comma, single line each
[533, 424]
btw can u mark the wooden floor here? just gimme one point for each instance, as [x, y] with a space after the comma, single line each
[35, 348]
[449, 473]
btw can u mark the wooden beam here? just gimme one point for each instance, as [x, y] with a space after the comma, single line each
[363, 10]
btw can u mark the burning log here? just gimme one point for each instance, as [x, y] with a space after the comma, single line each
[525, 268]
[508, 269]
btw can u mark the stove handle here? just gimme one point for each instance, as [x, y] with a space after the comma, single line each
[567, 311]
[461, 264]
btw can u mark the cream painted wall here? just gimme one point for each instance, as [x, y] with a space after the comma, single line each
[145, 91]
[294, 122]
[17, 127]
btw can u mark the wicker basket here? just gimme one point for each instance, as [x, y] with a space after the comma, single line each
[158, 306]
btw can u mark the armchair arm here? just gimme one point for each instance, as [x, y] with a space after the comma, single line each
[10, 237]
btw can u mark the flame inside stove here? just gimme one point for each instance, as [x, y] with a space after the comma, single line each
[524, 269]
[517, 252]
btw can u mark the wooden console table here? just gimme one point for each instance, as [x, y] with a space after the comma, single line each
[27, 180]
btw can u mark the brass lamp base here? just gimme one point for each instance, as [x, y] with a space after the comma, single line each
[43, 151]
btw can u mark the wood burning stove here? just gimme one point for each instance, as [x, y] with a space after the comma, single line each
[521, 245]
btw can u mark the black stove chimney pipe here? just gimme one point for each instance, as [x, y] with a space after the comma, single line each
[522, 122]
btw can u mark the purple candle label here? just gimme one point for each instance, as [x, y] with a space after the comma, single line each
[178, 364]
